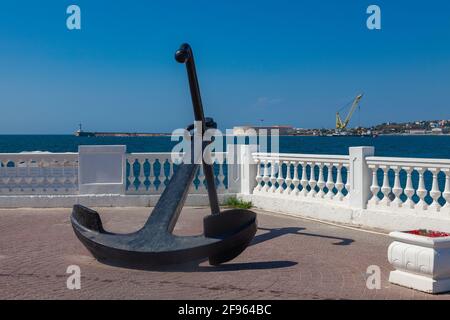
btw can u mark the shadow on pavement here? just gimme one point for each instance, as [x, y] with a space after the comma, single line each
[261, 265]
[194, 266]
[278, 232]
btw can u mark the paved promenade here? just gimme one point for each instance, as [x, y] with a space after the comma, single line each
[290, 258]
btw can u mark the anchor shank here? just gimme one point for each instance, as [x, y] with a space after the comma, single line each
[185, 55]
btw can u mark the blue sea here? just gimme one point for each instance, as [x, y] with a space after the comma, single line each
[394, 146]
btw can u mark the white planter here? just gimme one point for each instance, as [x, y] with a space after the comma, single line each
[421, 263]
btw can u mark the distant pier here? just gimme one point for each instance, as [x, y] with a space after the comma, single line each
[81, 133]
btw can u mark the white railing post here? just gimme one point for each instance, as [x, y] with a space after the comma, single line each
[102, 169]
[233, 174]
[242, 169]
[359, 176]
[248, 168]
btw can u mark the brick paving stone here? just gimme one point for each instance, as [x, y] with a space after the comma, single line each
[290, 258]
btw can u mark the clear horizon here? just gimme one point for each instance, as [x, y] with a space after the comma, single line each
[287, 63]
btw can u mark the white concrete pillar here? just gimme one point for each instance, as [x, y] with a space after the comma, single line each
[233, 169]
[102, 169]
[241, 168]
[360, 177]
[248, 168]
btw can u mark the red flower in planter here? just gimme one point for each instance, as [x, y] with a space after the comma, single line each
[428, 233]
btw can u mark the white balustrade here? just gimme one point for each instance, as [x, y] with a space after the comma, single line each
[322, 183]
[404, 183]
[149, 173]
[407, 183]
[420, 185]
[38, 173]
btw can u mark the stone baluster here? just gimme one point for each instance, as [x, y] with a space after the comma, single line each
[63, 179]
[7, 179]
[435, 193]
[446, 193]
[339, 184]
[163, 177]
[74, 173]
[409, 189]
[201, 180]
[273, 179]
[16, 177]
[224, 177]
[220, 177]
[347, 180]
[31, 173]
[321, 182]
[142, 176]
[295, 180]
[421, 191]
[312, 181]
[151, 175]
[288, 180]
[304, 181]
[158, 180]
[259, 178]
[131, 176]
[171, 166]
[397, 190]
[330, 182]
[280, 178]
[50, 174]
[2, 177]
[385, 188]
[266, 177]
[2, 174]
[26, 176]
[68, 172]
[40, 179]
[374, 188]
[14, 181]
[60, 176]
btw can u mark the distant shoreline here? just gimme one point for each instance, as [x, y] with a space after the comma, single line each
[143, 135]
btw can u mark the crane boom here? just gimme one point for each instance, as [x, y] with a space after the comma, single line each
[343, 124]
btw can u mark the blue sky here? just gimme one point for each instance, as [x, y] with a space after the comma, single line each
[287, 62]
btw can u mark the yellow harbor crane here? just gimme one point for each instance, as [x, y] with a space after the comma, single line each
[342, 125]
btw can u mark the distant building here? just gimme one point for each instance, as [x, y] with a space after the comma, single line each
[252, 130]
[436, 131]
[417, 131]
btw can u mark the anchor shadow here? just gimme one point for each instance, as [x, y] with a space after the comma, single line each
[194, 266]
[278, 232]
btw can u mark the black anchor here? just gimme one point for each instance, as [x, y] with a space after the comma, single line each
[226, 234]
